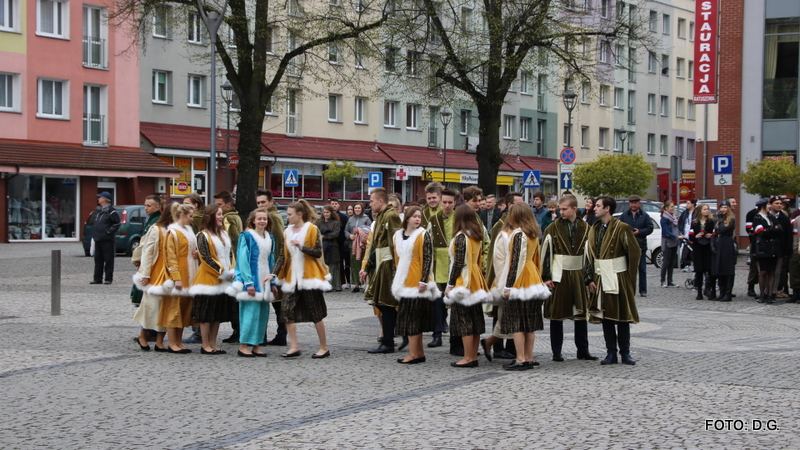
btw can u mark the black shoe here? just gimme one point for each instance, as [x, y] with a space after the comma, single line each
[517, 366]
[145, 348]
[699, 295]
[760, 299]
[277, 342]
[260, 355]
[626, 359]
[458, 351]
[220, 352]
[182, 351]
[356, 289]
[206, 352]
[770, 299]
[751, 291]
[160, 349]
[412, 361]
[324, 355]
[587, 357]
[487, 350]
[504, 354]
[642, 294]
[446, 330]
[233, 339]
[95, 282]
[403, 344]
[382, 349]
[557, 358]
[436, 342]
[469, 364]
[245, 355]
[107, 282]
[711, 295]
[611, 358]
[291, 355]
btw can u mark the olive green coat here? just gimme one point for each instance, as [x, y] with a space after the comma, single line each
[570, 299]
[618, 241]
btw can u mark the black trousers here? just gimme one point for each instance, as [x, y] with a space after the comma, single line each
[281, 333]
[439, 313]
[389, 320]
[104, 260]
[617, 333]
[503, 344]
[581, 336]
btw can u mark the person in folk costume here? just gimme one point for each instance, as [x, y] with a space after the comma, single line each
[466, 287]
[152, 207]
[700, 235]
[196, 201]
[276, 228]
[563, 251]
[181, 250]
[303, 277]
[440, 227]
[494, 346]
[253, 285]
[212, 305]
[524, 290]
[433, 198]
[610, 271]
[413, 285]
[150, 278]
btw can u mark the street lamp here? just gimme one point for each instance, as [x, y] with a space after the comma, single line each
[227, 94]
[446, 117]
[569, 98]
[213, 20]
[623, 134]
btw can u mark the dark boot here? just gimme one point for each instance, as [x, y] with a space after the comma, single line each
[699, 294]
[795, 297]
[624, 338]
[557, 338]
[751, 290]
[725, 286]
[698, 284]
[610, 335]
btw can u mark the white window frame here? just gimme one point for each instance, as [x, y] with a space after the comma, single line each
[604, 50]
[584, 137]
[334, 105]
[605, 8]
[508, 126]
[631, 107]
[390, 114]
[155, 98]
[270, 40]
[666, 24]
[541, 137]
[664, 106]
[651, 104]
[665, 65]
[690, 110]
[680, 64]
[390, 59]
[691, 30]
[195, 28]
[359, 114]
[10, 10]
[653, 22]
[601, 138]
[161, 17]
[619, 55]
[681, 28]
[40, 88]
[525, 129]
[651, 143]
[60, 14]
[524, 81]
[464, 118]
[195, 88]
[690, 70]
[95, 33]
[585, 89]
[100, 115]
[10, 85]
[412, 63]
[292, 107]
[412, 116]
[679, 107]
[619, 100]
[603, 95]
[652, 62]
[333, 53]
[664, 145]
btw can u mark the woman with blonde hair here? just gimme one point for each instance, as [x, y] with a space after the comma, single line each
[212, 305]
[466, 286]
[701, 234]
[303, 276]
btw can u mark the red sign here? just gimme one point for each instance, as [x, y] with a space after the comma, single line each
[705, 52]
[183, 187]
[233, 161]
[401, 174]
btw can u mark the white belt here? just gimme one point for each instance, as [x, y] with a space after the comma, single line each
[608, 270]
[383, 254]
[565, 262]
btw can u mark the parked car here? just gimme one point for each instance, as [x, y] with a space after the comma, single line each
[132, 220]
[653, 252]
[648, 206]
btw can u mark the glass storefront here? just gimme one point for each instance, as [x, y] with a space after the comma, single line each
[41, 208]
[781, 67]
[309, 182]
[192, 178]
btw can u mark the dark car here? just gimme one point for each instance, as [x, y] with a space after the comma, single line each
[132, 220]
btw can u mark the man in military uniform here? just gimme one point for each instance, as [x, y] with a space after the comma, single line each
[441, 229]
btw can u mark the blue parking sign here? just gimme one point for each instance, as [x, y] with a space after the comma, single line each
[375, 180]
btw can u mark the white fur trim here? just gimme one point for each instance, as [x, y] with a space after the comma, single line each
[234, 289]
[463, 296]
[405, 251]
[535, 292]
[298, 267]
[190, 261]
[137, 280]
[202, 289]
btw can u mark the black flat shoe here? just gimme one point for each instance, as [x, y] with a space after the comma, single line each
[588, 357]
[487, 350]
[558, 358]
[469, 364]
[145, 348]
[504, 354]
[220, 352]
[411, 361]
[182, 351]
[291, 355]
[382, 349]
[324, 355]
[517, 366]
[260, 355]
[436, 342]
[232, 339]
[245, 355]
[160, 349]
[206, 352]
[95, 282]
[277, 342]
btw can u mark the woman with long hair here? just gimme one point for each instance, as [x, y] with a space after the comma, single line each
[254, 286]
[181, 248]
[723, 264]
[768, 234]
[149, 279]
[212, 305]
[329, 225]
[303, 276]
[413, 284]
[466, 287]
[670, 240]
[357, 232]
[701, 235]
[588, 211]
[524, 290]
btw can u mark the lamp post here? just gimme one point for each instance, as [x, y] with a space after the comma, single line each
[213, 20]
[623, 134]
[227, 94]
[569, 98]
[446, 116]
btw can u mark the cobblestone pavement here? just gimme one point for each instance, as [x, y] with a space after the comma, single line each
[709, 375]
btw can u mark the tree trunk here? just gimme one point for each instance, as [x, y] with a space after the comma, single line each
[488, 151]
[250, 126]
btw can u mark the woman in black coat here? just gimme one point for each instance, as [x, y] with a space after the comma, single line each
[768, 241]
[700, 235]
[723, 264]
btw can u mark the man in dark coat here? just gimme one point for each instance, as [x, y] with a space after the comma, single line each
[642, 226]
[491, 214]
[104, 231]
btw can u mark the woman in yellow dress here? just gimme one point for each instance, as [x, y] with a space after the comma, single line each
[176, 304]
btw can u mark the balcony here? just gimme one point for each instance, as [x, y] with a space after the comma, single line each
[94, 52]
[94, 129]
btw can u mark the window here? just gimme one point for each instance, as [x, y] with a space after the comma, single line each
[680, 64]
[359, 5]
[690, 110]
[94, 119]
[632, 65]
[682, 28]
[653, 21]
[584, 137]
[466, 20]
[293, 68]
[585, 90]
[679, 107]
[195, 28]
[508, 127]
[620, 8]
[270, 36]
[602, 138]
[665, 65]
[196, 85]
[359, 106]
[619, 143]
[53, 99]
[412, 116]
[525, 129]
[541, 94]
[390, 63]
[665, 24]
[651, 103]
[294, 8]
[333, 53]
[691, 31]
[679, 146]
[268, 110]
[8, 15]
[390, 114]
[604, 8]
[690, 149]
[292, 127]
[433, 122]
[94, 37]
[604, 50]
[162, 87]
[524, 80]
[652, 62]
[603, 95]
[541, 139]
[53, 18]
[651, 143]
[631, 107]
[464, 122]
[358, 54]
[9, 92]
[619, 55]
[618, 100]
[333, 107]
[664, 145]
[664, 105]
[161, 16]
[412, 63]
[690, 70]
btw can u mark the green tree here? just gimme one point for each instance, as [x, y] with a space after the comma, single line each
[615, 175]
[341, 171]
[771, 176]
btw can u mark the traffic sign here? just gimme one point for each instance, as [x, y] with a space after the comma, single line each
[291, 178]
[567, 155]
[566, 168]
[233, 161]
[723, 179]
[566, 180]
[530, 178]
[401, 174]
[722, 164]
[375, 180]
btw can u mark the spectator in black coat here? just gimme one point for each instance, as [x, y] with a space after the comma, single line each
[104, 231]
[642, 226]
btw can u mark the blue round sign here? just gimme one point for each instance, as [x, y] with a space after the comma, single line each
[567, 155]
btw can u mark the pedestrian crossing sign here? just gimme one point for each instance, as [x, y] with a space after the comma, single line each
[530, 178]
[290, 178]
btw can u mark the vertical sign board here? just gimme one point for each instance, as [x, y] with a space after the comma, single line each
[705, 51]
[375, 180]
[530, 178]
